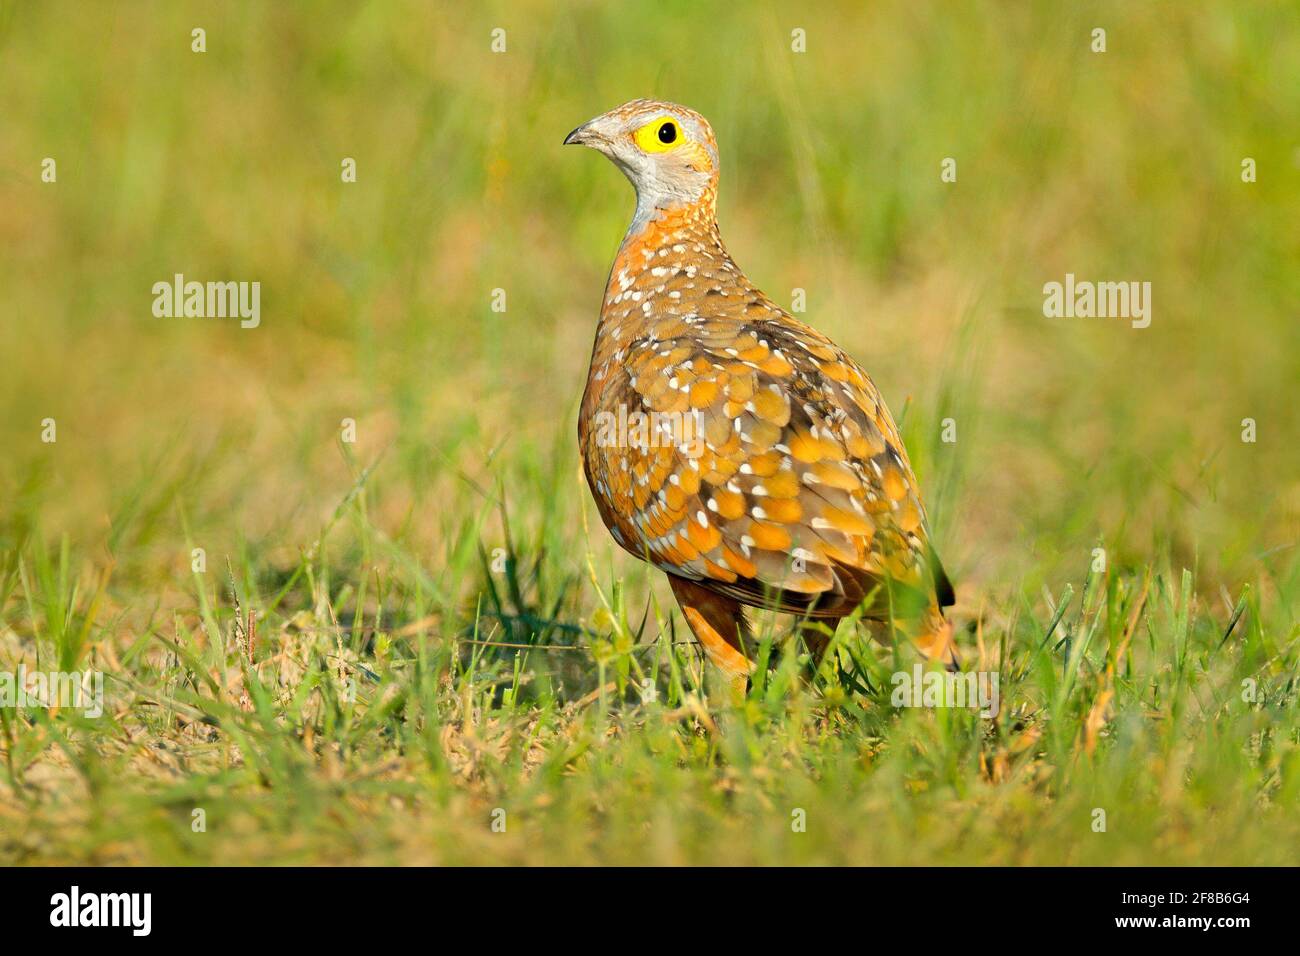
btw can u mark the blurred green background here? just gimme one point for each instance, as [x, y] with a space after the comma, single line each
[376, 295]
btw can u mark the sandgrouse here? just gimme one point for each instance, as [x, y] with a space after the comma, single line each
[730, 445]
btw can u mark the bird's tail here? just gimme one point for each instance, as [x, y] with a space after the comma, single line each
[933, 637]
[930, 634]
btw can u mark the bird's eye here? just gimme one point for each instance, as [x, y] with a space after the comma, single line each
[660, 135]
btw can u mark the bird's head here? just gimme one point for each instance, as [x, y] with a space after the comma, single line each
[667, 151]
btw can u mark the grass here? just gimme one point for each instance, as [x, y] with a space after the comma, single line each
[391, 642]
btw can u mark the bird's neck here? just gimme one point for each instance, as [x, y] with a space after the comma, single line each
[662, 268]
[677, 246]
[660, 237]
[658, 267]
[697, 200]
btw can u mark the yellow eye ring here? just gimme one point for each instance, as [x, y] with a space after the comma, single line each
[659, 136]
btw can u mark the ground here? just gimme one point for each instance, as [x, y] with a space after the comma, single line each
[448, 660]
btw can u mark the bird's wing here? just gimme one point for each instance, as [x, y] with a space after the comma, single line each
[769, 468]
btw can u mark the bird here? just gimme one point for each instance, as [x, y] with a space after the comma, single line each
[732, 446]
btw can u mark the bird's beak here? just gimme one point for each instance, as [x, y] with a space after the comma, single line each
[596, 133]
[576, 137]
